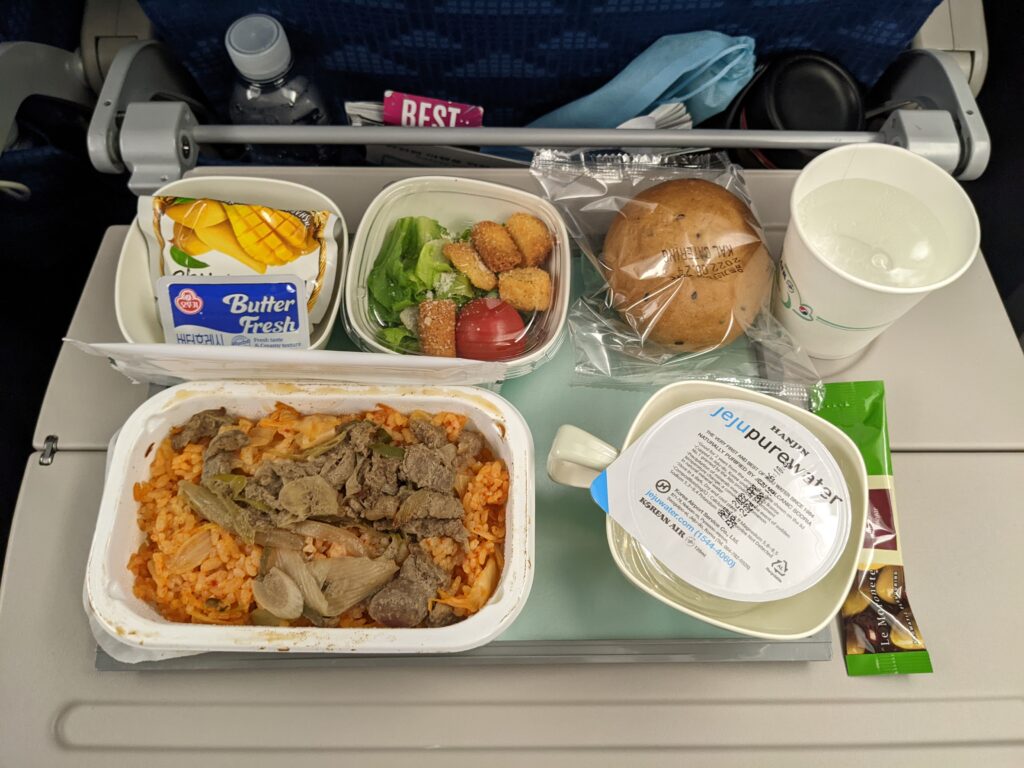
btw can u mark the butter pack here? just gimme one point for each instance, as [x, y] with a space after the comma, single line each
[244, 311]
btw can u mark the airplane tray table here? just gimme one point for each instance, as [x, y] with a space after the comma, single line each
[558, 624]
[67, 712]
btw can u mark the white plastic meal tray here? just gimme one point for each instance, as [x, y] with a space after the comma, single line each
[561, 623]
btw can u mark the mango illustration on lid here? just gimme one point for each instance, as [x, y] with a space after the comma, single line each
[206, 237]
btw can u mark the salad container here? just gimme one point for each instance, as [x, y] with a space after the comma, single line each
[456, 204]
[132, 622]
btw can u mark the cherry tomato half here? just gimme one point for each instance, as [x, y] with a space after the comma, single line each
[489, 329]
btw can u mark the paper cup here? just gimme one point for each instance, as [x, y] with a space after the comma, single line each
[833, 314]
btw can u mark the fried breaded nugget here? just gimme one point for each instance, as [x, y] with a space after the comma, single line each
[468, 261]
[531, 236]
[436, 326]
[495, 246]
[527, 289]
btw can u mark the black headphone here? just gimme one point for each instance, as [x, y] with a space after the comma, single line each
[803, 91]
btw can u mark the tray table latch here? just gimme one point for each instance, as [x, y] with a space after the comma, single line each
[49, 449]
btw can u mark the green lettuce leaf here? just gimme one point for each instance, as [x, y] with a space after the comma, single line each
[400, 339]
[393, 284]
[431, 263]
[456, 287]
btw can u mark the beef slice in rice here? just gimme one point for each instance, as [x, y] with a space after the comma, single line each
[273, 473]
[429, 527]
[429, 513]
[264, 487]
[441, 615]
[470, 443]
[222, 453]
[258, 494]
[427, 503]
[354, 484]
[361, 435]
[448, 454]
[266, 478]
[381, 474]
[202, 424]
[303, 498]
[403, 602]
[425, 468]
[381, 508]
[428, 433]
[288, 470]
[339, 465]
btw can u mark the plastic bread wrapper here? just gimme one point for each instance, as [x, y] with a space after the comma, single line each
[674, 286]
[201, 236]
[879, 630]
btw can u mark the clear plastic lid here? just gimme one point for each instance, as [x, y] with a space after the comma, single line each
[258, 47]
[166, 364]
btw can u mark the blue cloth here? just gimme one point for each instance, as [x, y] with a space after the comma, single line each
[54, 22]
[704, 70]
[519, 59]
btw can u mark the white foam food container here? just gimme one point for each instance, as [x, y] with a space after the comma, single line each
[133, 622]
[457, 203]
[134, 294]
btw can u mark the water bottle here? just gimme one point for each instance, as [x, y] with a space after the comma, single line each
[268, 90]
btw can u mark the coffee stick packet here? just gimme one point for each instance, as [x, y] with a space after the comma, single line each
[880, 632]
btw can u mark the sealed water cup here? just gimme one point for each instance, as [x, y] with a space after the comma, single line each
[737, 499]
[873, 230]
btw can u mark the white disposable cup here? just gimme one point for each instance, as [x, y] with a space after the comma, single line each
[833, 314]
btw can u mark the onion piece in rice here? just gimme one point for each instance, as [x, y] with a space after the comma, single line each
[218, 509]
[261, 617]
[332, 533]
[280, 539]
[278, 594]
[479, 593]
[193, 552]
[291, 563]
[350, 580]
[347, 581]
[268, 560]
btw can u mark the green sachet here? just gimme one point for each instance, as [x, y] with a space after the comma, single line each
[880, 632]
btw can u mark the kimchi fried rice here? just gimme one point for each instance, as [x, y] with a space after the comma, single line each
[191, 569]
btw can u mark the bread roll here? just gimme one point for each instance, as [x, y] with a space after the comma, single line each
[687, 265]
